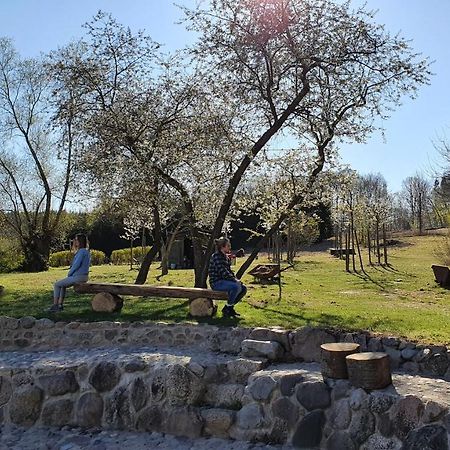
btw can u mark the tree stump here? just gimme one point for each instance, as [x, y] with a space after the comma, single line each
[369, 370]
[202, 307]
[333, 362]
[106, 302]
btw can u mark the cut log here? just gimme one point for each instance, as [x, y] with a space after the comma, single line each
[369, 370]
[202, 307]
[106, 302]
[141, 290]
[333, 362]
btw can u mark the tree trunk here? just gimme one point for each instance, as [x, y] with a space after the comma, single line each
[385, 245]
[352, 234]
[378, 242]
[164, 259]
[37, 252]
[347, 250]
[150, 256]
[359, 251]
[201, 259]
[369, 244]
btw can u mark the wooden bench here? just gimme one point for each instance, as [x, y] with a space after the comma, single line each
[108, 296]
[442, 275]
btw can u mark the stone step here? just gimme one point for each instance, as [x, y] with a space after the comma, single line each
[272, 350]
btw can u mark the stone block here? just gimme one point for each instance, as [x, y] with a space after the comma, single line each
[140, 392]
[429, 437]
[25, 405]
[217, 421]
[267, 349]
[433, 411]
[89, 410]
[135, 365]
[306, 342]
[340, 440]
[5, 390]
[224, 395]
[183, 387]
[309, 431]
[240, 369]
[182, 421]
[406, 415]
[261, 387]
[59, 384]
[409, 353]
[377, 442]
[313, 395]
[105, 376]
[340, 414]
[250, 416]
[272, 334]
[27, 322]
[362, 426]
[57, 413]
[289, 380]
[285, 409]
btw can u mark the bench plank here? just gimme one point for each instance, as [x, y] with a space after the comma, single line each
[142, 290]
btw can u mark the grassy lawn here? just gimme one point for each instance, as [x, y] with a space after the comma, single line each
[402, 300]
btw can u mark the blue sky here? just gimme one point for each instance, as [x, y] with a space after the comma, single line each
[40, 26]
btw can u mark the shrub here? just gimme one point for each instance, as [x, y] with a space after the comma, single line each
[11, 257]
[123, 256]
[64, 258]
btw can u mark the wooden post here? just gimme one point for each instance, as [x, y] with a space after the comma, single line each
[333, 362]
[369, 370]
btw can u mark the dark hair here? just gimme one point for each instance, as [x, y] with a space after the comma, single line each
[221, 242]
[82, 240]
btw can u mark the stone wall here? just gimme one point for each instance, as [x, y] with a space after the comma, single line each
[302, 344]
[234, 398]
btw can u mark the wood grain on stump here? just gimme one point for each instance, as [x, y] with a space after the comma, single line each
[106, 302]
[202, 307]
[369, 370]
[333, 363]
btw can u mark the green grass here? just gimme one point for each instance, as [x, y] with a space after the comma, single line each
[402, 300]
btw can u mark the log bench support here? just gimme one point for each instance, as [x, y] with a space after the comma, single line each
[108, 296]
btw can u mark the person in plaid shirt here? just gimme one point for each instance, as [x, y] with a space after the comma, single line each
[222, 278]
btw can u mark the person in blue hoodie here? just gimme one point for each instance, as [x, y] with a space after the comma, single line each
[78, 273]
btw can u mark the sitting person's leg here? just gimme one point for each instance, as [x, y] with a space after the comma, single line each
[234, 290]
[241, 294]
[59, 290]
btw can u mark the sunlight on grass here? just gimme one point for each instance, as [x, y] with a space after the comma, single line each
[402, 300]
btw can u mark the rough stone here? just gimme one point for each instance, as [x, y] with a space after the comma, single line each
[250, 416]
[309, 431]
[358, 399]
[273, 334]
[340, 440]
[59, 384]
[375, 345]
[406, 415]
[105, 376]
[340, 389]
[306, 342]
[340, 414]
[89, 410]
[8, 323]
[183, 421]
[224, 395]
[313, 395]
[380, 402]
[362, 426]
[217, 421]
[390, 341]
[376, 442]
[57, 413]
[5, 390]
[117, 409]
[240, 369]
[139, 393]
[288, 382]
[437, 364]
[150, 419]
[394, 356]
[284, 409]
[429, 437]
[261, 387]
[25, 405]
[27, 322]
[433, 411]
[44, 324]
[385, 425]
[267, 349]
[135, 365]
[411, 367]
[409, 353]
[183, 387]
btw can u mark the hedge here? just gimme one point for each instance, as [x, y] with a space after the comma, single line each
[123, 256]
[64, 258]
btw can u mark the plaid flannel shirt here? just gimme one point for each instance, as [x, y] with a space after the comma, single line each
[220, 268]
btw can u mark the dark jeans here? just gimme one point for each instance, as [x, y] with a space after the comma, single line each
[235, 289]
